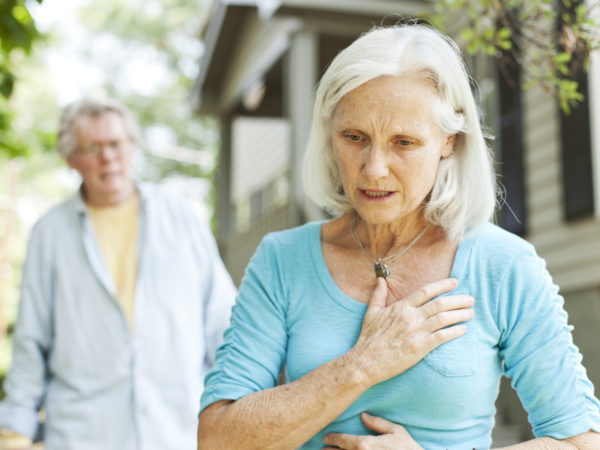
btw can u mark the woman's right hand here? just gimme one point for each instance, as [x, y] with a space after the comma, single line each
[394, 338]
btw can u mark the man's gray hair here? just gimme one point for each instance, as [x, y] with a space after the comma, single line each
[464, 193]
[76, 113]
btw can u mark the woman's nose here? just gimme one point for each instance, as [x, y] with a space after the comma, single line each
[376, 164]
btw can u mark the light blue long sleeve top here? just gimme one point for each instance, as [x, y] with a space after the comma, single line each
[290, 313]
[104, 386]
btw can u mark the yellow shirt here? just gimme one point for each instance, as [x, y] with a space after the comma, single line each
[116, 229]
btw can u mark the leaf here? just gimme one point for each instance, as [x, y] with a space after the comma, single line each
[20, 13]
[566, 18]
[504, 33]
[472, 48]
[568, 94]
[467, 34]
[488, 34]
[7, 83]
[562, 58]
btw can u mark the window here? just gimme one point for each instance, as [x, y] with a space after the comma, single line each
[576, 157]
[512, 212]
[576, 152]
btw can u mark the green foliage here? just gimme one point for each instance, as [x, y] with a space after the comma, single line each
[526, 31]
[29, 118]
[14, 143]
[18, 34]
[568, 94]
[163, 35]
[157, 35]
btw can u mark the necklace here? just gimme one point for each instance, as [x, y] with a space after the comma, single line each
[380, 264]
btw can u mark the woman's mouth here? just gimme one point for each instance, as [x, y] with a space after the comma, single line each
[376, 195]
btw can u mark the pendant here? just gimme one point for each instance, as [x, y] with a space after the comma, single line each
[381, 270]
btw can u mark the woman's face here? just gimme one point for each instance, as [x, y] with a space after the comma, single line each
[388, 147]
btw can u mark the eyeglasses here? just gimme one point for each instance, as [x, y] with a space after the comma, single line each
[95, 148]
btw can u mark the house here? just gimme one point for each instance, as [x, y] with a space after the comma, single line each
[258, 74]
[261, 64]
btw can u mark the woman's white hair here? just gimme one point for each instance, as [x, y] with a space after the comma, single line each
[464, 193]
[76, 113]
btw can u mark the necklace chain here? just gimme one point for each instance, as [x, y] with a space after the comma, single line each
[381, 268]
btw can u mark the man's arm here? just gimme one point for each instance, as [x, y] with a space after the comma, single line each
[26, 380]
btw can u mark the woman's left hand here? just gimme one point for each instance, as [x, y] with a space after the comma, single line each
[392, 436]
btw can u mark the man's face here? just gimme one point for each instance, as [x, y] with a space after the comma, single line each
[103, 159]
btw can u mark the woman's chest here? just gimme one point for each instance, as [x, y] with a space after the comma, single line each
[355, 274]
[461, 372]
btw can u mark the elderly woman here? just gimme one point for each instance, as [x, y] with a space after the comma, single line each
[409, 306]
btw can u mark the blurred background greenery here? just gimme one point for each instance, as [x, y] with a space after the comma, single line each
[143, 52]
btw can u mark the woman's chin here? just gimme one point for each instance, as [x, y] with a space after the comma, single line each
[377, 219]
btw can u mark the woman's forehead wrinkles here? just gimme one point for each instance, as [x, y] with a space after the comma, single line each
[383, 121]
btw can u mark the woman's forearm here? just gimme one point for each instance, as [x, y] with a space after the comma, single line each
[285, 416]
[588, 440]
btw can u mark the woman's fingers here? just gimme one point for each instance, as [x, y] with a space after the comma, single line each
[379, 424]
[431, 290]
[439, 337]
[447, 303]
[341, 440]
[391, 436]
[446, 318]
[378, 298]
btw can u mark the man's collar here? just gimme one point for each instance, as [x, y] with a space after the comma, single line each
[142, 188]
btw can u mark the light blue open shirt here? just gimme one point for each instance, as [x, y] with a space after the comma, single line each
[104, 386]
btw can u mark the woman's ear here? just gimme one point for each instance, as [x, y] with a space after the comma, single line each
[448, 146]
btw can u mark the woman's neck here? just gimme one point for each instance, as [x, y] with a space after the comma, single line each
[381, 240]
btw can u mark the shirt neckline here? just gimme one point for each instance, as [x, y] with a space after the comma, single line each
[336, 294]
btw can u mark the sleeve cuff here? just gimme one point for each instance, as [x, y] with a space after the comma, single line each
[18, 420]
[572, 427]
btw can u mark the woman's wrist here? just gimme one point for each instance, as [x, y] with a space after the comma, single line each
[358, 369]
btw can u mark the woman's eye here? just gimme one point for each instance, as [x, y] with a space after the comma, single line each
[352, 137]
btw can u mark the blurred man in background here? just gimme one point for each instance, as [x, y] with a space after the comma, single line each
[124, 300]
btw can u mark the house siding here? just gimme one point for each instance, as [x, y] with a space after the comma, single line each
[571, 250]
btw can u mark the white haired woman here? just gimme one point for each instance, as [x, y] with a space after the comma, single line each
[396, 320]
